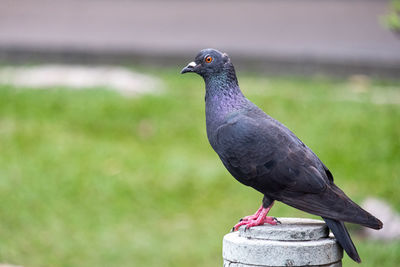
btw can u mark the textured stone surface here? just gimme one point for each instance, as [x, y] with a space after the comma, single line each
[235, 264]
[302, 248]
[289, 229]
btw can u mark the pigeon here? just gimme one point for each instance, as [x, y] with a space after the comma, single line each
[261, 152]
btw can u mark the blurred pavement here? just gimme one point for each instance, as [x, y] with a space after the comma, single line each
[276, 36]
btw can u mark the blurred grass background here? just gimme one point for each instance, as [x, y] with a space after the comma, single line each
[91, 178]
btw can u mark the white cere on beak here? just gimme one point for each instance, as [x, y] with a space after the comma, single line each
[192, 64]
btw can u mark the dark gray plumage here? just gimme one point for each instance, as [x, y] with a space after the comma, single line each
[262, 153]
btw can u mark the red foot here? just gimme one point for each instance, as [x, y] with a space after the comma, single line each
[259, 218]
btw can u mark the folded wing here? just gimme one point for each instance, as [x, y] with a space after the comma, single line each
[264, 154]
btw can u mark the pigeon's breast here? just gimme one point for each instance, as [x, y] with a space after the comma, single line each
[216, 121]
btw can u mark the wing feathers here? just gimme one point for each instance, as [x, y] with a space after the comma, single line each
[264, 154]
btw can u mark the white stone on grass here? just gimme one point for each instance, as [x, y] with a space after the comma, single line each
[389, 217]
[120, 79]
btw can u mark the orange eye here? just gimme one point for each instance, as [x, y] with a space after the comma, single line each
[208, 59]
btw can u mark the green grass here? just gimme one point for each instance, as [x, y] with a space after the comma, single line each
[90, 178]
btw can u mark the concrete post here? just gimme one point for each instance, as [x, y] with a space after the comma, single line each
[295, 242]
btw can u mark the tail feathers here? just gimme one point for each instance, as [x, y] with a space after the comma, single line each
[355, 214]
[373, 223]
[342, 236]
[352, 212]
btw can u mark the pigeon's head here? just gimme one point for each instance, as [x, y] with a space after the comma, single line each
[209, 62]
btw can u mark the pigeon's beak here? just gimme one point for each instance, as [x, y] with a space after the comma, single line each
[189, 68]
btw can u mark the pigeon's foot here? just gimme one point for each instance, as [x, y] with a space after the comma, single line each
[259, 218]
[252, 217]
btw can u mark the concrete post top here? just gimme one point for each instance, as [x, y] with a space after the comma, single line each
[294, 242]
[290, 229]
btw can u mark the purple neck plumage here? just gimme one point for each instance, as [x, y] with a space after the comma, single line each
[221, 82]
[223, 97]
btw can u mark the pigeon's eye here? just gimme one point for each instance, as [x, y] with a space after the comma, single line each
[208, 59]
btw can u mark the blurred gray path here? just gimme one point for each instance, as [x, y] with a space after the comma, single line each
[296, 36]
